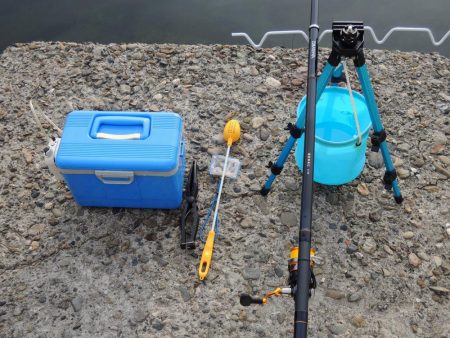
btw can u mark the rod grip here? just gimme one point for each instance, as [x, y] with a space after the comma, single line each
[205, 261]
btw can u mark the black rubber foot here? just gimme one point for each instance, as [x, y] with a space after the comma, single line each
[398, 199]
[246, 300]
[264, 191]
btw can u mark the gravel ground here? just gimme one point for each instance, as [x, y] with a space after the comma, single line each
[67, 271]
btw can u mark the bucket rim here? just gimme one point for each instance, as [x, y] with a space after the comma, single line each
[339, 89]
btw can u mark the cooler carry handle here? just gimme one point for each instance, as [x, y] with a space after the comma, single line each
[107, 136]
[125, 125]
[115, 177]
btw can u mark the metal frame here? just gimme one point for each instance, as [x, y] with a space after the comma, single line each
[329, 31]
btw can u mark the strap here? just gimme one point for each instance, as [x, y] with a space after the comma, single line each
[205, 221]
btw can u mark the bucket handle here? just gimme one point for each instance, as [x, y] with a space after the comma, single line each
[352, 100]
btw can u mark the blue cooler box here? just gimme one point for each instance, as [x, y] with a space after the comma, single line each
[123, 159]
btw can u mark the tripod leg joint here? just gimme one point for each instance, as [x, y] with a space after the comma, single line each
[389, 177]
[295, 131]
[377, 138]
[274, 168]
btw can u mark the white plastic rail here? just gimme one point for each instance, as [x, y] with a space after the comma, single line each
[329, 31]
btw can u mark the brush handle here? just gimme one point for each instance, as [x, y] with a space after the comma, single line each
[205, 262]
[216, 210]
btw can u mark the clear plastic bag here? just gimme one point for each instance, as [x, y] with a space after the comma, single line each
[216, 166]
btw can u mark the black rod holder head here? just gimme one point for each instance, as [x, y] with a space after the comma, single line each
[348, 37]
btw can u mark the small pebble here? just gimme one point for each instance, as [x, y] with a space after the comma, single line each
[77, 303]
[185, 295]
[251, 274]
[257, 122]
[422, 255]
[354, 297]
[437, 261]
[359, 320]
[352, 248]
[362, 189]
[271, 82]
[369, 245]
[388, 249]
[335, 294]
[158, 324]
[408, 235]
[414, 260]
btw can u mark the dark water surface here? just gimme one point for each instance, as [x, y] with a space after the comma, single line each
[213, 21]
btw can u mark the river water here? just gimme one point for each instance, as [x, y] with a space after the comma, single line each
[213, 21]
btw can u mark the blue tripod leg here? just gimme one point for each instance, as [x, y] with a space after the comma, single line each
[295, 131]
[338, 76]
[379, 135]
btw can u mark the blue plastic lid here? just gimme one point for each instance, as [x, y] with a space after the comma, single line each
[135, 141]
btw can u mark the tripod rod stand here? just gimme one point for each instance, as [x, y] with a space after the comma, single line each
[348, 41]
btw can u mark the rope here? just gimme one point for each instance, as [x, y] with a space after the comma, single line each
[208, 215]
[352, 100]
[53, 124]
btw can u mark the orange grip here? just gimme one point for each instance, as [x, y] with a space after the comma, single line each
[205, 262]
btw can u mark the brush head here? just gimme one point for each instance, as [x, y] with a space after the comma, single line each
[232, 132]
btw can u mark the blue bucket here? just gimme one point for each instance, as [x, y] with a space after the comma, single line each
[338, 160]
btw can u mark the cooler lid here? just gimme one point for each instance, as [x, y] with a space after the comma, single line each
[134, 141]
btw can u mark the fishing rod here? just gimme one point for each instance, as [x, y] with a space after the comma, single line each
[302, 293]
[302, 257]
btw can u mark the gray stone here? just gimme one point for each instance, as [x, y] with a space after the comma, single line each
[264, 134]
[291, 184]
[67, 334]
[354, 297]
[289, 219]
[408, 235]
[440, 290]
[257, 122]
[337, 329]
[251, 274]
[352, 248]
[185, 295]
[414, 260]
[375, 160]
[375, 216]
[77, 303]
[271, 82]
[140, 315]
[247, 223]
[369, 245]
[335, 294]
[17, 311]
[279, 271]
[403, 173]
[125, 89]
[404, 147]
[158, 324]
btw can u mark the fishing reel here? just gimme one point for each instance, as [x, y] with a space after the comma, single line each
[246, 299]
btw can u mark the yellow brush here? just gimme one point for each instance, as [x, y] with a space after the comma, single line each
[231, 134]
